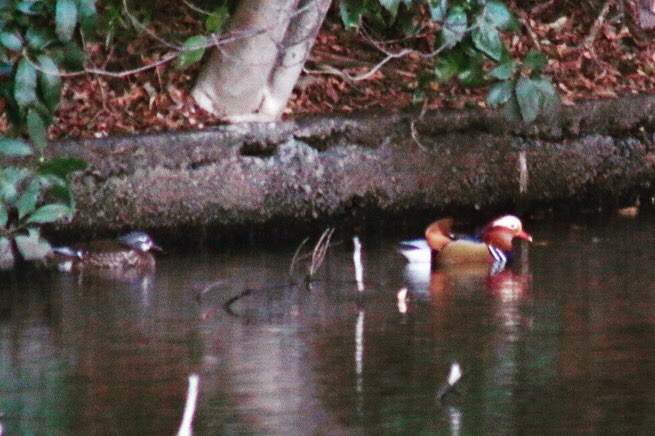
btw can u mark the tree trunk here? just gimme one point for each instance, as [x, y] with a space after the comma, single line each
[252, 77]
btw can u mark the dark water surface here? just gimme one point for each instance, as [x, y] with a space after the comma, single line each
[563, 342]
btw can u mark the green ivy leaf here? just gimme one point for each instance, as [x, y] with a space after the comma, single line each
[472, 75]
[62, 166]
[5, 70]
[26, 203]
[454, 28]
[88, 16]
[70, 56]
[511, 110]
[49, 213]
[86, 8]
[6, 254]
[65, 19]
[351, 12]
[27, 7]
[216, 20]
[25, 83]
[438, 9]
[504, 71]
[10, 179]
[39, 38]
[528, 97]
[49, 81]
[391, 6]
[449, 65]
[487, 39]
[500, 93]
[194, 50]
[36, 129]
[424, 79]
[545, 87]
[4, 214]
[550, 102]
[14, 147]
[535, 60]
[62, 192]
[498, 14]
[31, 246]
[11, 41]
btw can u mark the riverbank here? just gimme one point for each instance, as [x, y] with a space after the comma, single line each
[319, 168]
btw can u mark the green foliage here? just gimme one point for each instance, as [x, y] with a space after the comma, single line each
[65, 19]
[194, 49]
[520, 90]
[37, 39]
[215, 21]
[30, 198]
[470, 39]
[14, 147]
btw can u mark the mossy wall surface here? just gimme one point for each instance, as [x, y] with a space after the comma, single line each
[316, 168]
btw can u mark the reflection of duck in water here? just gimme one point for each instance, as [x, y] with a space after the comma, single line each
[128, 252]
[423, 281]
[442, 247]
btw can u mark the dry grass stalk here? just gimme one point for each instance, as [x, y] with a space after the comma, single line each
[320, 250]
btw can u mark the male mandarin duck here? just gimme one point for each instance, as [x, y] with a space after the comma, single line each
[493, 246]
[128, 251]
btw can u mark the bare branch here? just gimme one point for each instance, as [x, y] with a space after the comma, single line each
[196, 8]
[395, 55]
[415, 136]
[136, 23]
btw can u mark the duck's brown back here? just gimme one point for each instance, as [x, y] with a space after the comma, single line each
[113, 255]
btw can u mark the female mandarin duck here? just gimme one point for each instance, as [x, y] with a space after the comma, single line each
[128, 251]
[493, 246]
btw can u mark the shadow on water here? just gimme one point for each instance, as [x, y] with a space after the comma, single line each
[560, 342]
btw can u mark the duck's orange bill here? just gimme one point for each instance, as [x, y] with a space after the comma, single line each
[525, 235]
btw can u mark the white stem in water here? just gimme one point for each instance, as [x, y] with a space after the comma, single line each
[189, 407]
[357, 259]
[455, 374]
[453, 377]
[402, 300]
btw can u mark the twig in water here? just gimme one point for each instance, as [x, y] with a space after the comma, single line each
[320, 250]
[189, 407]
[357, 260]
[295, 256]
[208, 288]
[453, 378]
[227, 306]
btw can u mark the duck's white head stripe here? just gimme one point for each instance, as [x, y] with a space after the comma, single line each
[508, 221]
